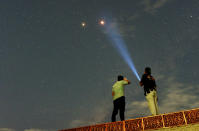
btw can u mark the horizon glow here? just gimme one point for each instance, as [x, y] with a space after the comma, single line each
[119, 44]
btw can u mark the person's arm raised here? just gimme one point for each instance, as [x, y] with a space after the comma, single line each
[125, 79]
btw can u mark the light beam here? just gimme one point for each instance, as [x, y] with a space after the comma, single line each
[120, 46]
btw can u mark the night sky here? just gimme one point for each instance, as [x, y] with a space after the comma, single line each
[56, 74]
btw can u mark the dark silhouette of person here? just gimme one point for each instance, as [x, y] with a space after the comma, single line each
[149, 84]
[119, 98]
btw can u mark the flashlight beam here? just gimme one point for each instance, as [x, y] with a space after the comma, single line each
[120, 46]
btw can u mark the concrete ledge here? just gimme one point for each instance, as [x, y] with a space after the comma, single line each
[170, 120]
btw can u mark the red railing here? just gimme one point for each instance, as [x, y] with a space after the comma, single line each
[146, 123]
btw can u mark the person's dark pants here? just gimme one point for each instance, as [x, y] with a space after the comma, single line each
[119, 104]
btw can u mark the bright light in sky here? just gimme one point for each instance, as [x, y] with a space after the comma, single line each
[102, 22]
[83, 24]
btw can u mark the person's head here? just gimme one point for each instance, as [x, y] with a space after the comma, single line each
[148, 70]
[120, 77]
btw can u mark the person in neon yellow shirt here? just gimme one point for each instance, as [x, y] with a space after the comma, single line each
[119, 97]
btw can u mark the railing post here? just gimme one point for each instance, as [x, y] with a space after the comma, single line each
[124, 127]
[184, 118]
[106, 129]
[163, 121]
[143, 123]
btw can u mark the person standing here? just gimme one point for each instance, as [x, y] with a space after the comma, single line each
[119, 98]
[149, 84]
